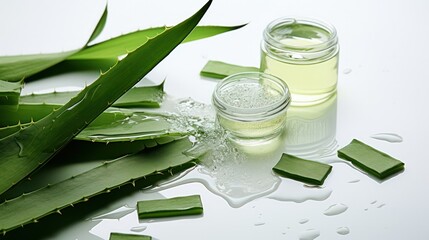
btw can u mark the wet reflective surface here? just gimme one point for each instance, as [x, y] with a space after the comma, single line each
[381, 100]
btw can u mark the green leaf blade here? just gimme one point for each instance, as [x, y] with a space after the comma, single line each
[132, 127]
[147, 96]
[17, 68]
[121, 45]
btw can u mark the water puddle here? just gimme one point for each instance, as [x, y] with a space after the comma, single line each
[335, 209]
[388, 137]
[240, 174]
[343, 230]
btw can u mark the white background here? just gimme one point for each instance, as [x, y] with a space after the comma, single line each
[383, 43]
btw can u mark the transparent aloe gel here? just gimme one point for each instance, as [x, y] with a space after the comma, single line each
[251, 106]
[304, 54]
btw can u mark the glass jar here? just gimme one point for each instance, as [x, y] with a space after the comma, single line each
[304, 54]
[251, 106]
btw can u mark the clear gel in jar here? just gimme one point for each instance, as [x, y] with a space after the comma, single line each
[251, 106]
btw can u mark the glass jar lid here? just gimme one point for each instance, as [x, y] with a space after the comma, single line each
[300, 39]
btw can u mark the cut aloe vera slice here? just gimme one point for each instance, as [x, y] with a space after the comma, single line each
[216, 69]
[171, 207]
[302, 170]
[125, 236]
[370, 160]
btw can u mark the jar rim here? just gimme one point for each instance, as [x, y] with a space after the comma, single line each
[256, 113]
[329, 28]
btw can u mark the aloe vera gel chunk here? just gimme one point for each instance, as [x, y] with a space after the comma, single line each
[171, 207]
[124, 236]
[302, 170]
[370, 159]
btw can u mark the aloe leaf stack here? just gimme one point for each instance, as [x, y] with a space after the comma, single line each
[23, 152]
[82, 187]
[40, 126]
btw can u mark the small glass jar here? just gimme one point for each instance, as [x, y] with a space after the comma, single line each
[304, 54]
[251, 106]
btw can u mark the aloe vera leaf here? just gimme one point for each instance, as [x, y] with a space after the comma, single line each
[110, 175]
[138, 126]
[217, 69]
[78, 157]
[9, 130]
[147, 96]
[23, 152]
[9, 94]
[67, 66]
[116, 125]
[36, 106]
[16, 68]
[26, 114]
[125, 236]
[121, 45]
[171, 207]
[370, 160]
[302, 170]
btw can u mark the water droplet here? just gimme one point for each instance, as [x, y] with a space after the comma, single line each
[309, 234]
[374, 202]
[354, 181]
[138, 228]
[304, 220]
[343, 230]
[21, 148]
[259, 224]
[335, 209]
[347, 70]
[388, 137]
[381, 205]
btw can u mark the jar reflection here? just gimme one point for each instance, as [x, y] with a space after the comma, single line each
[310, 130]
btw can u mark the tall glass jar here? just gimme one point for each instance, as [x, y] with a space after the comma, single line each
[304, 54]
